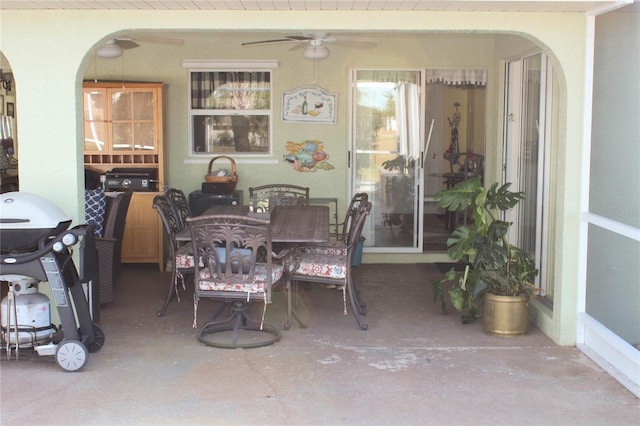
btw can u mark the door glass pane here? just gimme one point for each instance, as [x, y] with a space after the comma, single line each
[94, 105]
[143, 106]
[132, 120]
[387, 138]
[121, 106]
[95, 129]
[455, 130]
[529, 153]
[95, 133]
[143, 136]
[122, 136]
[529, 99]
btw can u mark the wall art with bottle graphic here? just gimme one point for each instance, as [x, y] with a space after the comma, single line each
[309, 104]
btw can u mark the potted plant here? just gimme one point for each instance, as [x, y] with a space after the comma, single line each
[494, 269]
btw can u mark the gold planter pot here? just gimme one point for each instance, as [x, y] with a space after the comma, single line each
[505, 315]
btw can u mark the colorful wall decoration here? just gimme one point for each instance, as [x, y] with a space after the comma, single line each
[307, 156]
[310, 104]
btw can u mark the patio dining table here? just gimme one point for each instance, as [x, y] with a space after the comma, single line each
[289, 224]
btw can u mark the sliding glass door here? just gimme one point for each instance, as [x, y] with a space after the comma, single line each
[387, 133]
[526, 143]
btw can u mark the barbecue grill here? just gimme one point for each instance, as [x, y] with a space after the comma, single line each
[36, 246]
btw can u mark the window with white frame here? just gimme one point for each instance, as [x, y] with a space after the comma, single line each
[230, 108]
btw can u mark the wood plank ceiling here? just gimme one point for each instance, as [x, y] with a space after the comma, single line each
[568, 6]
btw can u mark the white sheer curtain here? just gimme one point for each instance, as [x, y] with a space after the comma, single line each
[407, 109]
[6, 127]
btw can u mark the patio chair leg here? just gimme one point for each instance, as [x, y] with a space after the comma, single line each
[217, 313]
[356, 293]
[361, 305]
[287, 320]
[173, 291]
[290, 311]
[235, 323]
[356, 305]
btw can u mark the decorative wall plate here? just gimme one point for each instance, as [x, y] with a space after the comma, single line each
[309, 104]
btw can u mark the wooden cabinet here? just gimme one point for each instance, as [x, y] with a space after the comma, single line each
[142, 242]
[123, 128]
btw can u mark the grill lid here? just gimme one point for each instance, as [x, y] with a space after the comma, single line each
[27, 221]
[23, 210]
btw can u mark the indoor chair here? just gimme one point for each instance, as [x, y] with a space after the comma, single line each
[235, 265]
[264, 198]
[332, 263]
[180, 253]
[180, 205]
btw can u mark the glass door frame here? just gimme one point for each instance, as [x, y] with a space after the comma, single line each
[418, 201]
[514, 162]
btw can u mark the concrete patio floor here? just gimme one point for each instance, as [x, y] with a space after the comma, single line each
[413, 366]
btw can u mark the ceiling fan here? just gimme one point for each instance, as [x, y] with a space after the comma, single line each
[314, 43]
[116, 46]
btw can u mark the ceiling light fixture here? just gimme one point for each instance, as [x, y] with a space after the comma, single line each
[316, 50]
[110, 50]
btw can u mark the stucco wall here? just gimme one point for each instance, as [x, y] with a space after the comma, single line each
[48, 53]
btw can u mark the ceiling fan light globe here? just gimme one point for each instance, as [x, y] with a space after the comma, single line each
[316, 52]
[110, 51]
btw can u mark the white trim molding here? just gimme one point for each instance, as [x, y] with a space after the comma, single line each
[610, 352]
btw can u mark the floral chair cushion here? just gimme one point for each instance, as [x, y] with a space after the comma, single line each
[322, 265]
[258, 285]
[95, 206]
[336, 248]
[184, 257]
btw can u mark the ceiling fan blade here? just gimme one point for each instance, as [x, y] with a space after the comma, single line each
[298, 46]
[278, 40]
[126, 43]
[299, 38]
[266, 41]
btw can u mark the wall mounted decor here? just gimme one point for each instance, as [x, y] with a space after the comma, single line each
[309, 104]
[307, 156]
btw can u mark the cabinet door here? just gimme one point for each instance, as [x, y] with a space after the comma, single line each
[142, 242]
[96, 138]
[133, 125]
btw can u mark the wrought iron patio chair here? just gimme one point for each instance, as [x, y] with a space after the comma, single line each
[235, 265]
[357, 200]
[332, 263]
[180, 204]
[180, 253]
[264, 198]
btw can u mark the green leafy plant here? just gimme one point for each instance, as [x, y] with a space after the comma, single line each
[400, 188]
[491, 263]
